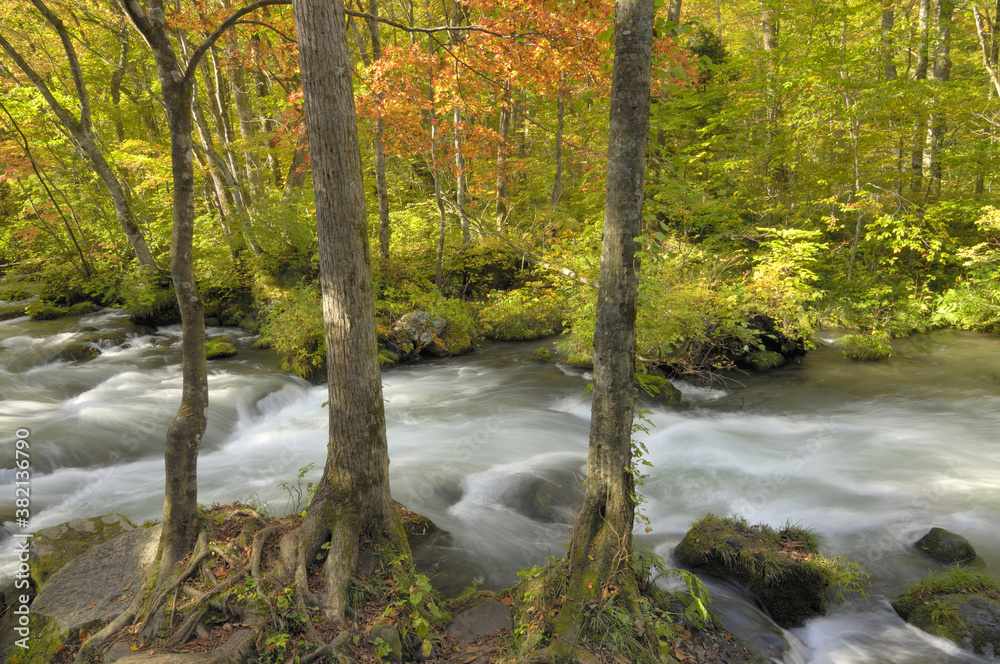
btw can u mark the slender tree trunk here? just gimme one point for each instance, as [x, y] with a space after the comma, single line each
[557, 183]
[674, 12]
[502, 150]
[941, 74]
[774, 173]
[600, 550]
[381, 188]
[460, 176]
[352, 500]
[920, 123]
[886, 44]
[296, 178]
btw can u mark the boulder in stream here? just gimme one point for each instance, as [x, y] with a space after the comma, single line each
[782, 568]
[52, 548]
[219, 348]
[960, 605]
[78, 353]
[946, 547]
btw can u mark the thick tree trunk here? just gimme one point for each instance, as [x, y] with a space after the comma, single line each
[600, 551]
[352, 502]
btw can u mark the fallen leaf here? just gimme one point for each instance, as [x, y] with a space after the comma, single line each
[133, 647]
[91, 606]
[127, 587]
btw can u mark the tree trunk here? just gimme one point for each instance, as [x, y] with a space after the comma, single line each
[557, 184]
[352, 501]
[600, 551]
[502, 149]
[381, 188]
[674, 12]
[886, 45]
[941, 74]
[920, 123]
[460, 179]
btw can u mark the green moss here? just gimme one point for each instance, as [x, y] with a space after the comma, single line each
[783, 568]
[866, 347]
[542, 355]
[960, 605]
[83, 308]
[528, 313]
[45, 311]
[219, 348]
[764, 360]
[660, 389]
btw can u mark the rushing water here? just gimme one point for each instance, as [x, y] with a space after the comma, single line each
[492, 447]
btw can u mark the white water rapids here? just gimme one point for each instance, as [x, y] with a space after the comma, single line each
[492, 447]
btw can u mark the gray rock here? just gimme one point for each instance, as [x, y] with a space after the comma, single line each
[946, 547]
[390, 636]
[421, 327]
[51, 548]
[481, 620]
[98, 585]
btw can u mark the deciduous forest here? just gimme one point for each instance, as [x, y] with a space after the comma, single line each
[681, 192]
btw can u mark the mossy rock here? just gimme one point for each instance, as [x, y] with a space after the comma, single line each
[775, 565]
[78, 353]
[53, 547]
[960, 605]
[764, 360]
[14, 294]
[542, 355]
[872, 347]
[156, 309]
[83, 309]
[219, 348]
[45, 311]
[106, 339]
[660, 390]
[7, 313]
[946, 547]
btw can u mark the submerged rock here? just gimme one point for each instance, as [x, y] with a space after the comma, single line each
[78, 353]
[778, 567]
[959, 605]
[946, 547]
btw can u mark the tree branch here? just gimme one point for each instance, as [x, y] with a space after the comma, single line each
[225, 25]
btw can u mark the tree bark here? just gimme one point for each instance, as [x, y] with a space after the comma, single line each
[920, 123]
[600, 550]
[381, 188]
[502, 150]
[941, 74]
[557, 183]
[886, 44]
[352, 502]
[460, 177]
[180, 508]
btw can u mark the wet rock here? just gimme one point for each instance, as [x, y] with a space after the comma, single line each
[78, 353]
[484, 619]
[958, 605]
[104, 339]
[946, 547]
[219, 348]
[768, 564]
[660, 390]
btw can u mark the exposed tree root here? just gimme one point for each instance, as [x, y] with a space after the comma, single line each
[97, 639]
[328, 648]
[200, 606]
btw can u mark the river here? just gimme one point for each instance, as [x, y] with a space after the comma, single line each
[492, 446]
